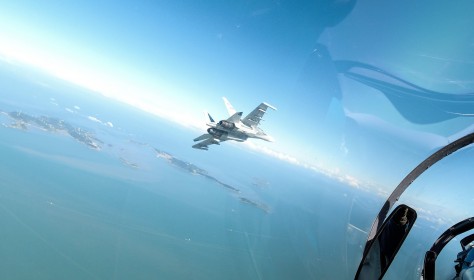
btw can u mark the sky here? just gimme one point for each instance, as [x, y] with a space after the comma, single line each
[177, 59]
[157, 52]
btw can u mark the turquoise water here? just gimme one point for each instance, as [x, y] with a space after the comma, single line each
[70, 212]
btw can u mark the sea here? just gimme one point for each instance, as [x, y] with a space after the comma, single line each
[69, 211]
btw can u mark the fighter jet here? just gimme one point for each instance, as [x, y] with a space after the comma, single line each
[234, 128]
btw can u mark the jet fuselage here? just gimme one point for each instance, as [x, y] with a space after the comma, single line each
[236, 131]
[235, 127]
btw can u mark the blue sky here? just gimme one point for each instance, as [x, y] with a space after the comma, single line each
[172, 55]
[169, 51]
[178, 58]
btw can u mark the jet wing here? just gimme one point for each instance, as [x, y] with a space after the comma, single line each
[235, 117]
[253, 119]
[207, 140]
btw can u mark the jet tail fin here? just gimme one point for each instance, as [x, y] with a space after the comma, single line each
[229, 107]
[209, 117]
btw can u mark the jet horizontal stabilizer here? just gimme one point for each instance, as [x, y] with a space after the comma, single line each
[203, 137]
[197, 146]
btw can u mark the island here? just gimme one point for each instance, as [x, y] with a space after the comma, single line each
[24, 121]
[260, 183]
[128, 163]
[193, 169]
[261, 206]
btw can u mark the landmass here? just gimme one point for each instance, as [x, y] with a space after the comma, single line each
[128, 163]
[24, 121]
[261, 206]
[260, 183]
[193, 169]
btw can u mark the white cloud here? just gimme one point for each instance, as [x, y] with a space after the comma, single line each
[94, 119]
[417, 139]
[440, 218]
[343, 147]
[123, 89]
[335, 174]
[116, 86]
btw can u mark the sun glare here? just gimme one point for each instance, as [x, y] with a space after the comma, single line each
[92, 77]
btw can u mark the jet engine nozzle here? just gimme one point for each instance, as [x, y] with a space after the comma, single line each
[217, 133]
[227, 125]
